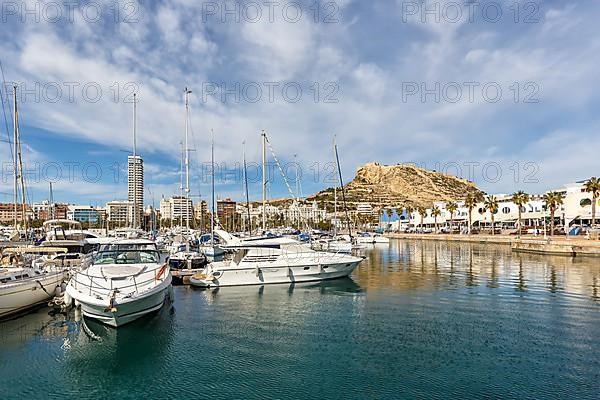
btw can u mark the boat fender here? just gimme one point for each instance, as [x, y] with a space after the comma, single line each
[57, 291]
[258, 272]
[68, 300]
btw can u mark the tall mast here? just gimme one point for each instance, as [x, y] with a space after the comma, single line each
[247, 194]
[181, 185]
[335, 193]
[264, 179]
[15, 169]
[187, 164]
[297, 191]
[337, 160]
[212, 178]
[134, 165]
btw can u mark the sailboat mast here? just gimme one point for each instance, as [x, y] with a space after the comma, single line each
[15, 169]
[212, 163]
[335, 194]
[134, 218]
[181, 185]
[187, 162]
[337, 160]
[264, 179]
[247, 194]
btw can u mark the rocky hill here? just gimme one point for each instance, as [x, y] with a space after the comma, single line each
[398, 185]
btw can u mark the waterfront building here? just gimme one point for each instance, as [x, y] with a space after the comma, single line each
[298, 212]
[575, 210]
[226, 214]
[117, 212]
[7, 213]
[86, 214]
[135, 189]
[177, 208]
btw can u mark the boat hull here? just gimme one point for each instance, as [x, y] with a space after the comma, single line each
[239, 276]
[22, 296]
[126, 312]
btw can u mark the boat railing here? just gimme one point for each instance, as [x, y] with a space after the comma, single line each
[93, 284]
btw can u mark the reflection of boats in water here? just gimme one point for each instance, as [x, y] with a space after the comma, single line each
[38, 324]
[341, 285]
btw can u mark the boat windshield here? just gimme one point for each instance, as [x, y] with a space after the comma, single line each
[127, 257]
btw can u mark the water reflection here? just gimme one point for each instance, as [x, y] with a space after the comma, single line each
[413, 264]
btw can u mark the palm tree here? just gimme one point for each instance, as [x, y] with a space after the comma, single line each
[552, 200]
[491, 203]
[520, 198]
[593, 186]
[471, 202]
[409, 211]
[435, 212]
[423, 213]
[389, 212]
[451, 207]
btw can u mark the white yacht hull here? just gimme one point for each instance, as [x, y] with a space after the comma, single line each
[20, 296]
[125, 310]
[237, 276]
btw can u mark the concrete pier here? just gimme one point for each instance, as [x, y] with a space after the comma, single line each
[557, 245]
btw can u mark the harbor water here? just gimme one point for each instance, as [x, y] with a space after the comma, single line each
[417, 319]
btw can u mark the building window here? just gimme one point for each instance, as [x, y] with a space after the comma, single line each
[506, 210]
[585, 202]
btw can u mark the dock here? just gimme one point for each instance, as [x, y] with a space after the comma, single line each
[557, 245]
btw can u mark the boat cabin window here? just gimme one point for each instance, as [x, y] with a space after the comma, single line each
[127, 257]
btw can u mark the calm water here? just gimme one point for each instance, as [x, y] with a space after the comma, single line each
[417, 320]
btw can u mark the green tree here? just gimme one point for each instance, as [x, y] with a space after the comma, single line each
[593, 186]
[451, 207]
[520, 198]
[552, 200]
[435, 213]
[491, 204]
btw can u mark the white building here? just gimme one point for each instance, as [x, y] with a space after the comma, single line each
[304, 212]
[575, 210]
[177, 208]
[135, 189]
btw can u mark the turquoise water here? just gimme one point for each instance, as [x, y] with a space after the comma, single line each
[417, 320]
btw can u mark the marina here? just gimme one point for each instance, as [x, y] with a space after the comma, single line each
[310, 200]
[444, 318]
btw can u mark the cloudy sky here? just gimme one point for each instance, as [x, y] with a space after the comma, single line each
[499, 92]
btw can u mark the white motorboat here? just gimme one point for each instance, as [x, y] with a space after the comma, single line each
[371, 238]
[280, 260]
[28, 280]
[126, 281]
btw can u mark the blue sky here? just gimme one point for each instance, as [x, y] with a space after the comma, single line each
[362, 68]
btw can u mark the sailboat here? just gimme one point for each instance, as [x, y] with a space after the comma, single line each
[26, 280]
[210, 249]
[186, 262]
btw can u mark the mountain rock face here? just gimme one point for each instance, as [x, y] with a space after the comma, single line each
[399, 185]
